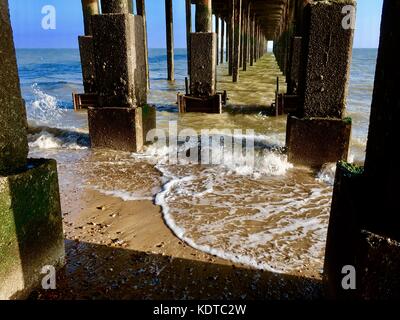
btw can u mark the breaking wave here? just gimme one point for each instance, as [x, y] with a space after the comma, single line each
[48, 138]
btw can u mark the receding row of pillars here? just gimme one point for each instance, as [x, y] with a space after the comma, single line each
[240, 39]
[243, 42]
[239, 34]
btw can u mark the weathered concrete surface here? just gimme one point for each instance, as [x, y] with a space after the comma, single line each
[211, 104]
[89, 8]
[31, 234]
[116, 128]
[140, 62]
[316, 141]
[149, 116]
[203, 16]
[87, 62]
[327, 58]
[290, 104]
[141, 11]
[119, 60]
[344, 227]
[236, 39]
[115, 6]
[372, 203]
[13, 123]
[203, 64]
[381, 163]
[169, 22]
[294, 72]
[378, 265]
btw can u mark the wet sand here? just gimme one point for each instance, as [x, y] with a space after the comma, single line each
[119, 249]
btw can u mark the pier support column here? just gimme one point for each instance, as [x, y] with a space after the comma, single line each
[141, 11]
[218, 36]
[222, 40]
[319, 133]
[87, 64]
[117, 121]
[246, 37]
[188, 30]
[237, 35]
[29, 192]
[241, 50]
[169, 17]
[372, 245]
[203, 69]
[204, 16]
[294, 72]
[255, 42]
[203, 77]
[231, 31]
[226, 41]
[381, 166]
[203, 53]
[252, 30]
[115, 6]
[89, 7]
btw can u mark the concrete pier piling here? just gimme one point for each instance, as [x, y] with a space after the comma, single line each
[294, 66]
[236, 43]
[86, 51]
[188, 30]
[29, 193]
[204, 16]
[381, 167]
[90, 8]
[116, 69]
[368, 198]
[252, 40]
[217, 31]
[13, 138]
[323, 88]
[169, 20]
[141, 11]
[256, 44]
[245, 37]
[227, 41]
[203, 79]
[222, 41]
[116, 6]
[242, 27]
[203, 95]
[116, 122]
[231, 34]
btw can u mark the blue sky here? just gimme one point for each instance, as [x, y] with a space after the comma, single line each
[27, 18]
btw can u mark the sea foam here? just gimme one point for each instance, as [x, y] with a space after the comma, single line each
[64, 140]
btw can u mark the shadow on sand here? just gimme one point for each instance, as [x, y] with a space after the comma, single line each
[99, 272]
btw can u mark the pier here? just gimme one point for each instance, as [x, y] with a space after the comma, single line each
[305, 79]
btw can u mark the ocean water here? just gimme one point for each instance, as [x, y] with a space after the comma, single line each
[271, 216]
